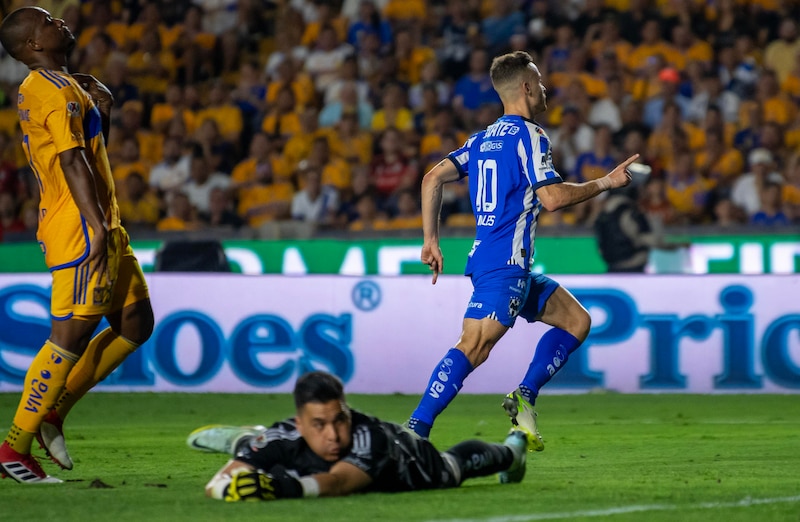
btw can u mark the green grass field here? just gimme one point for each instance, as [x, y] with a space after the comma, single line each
[608, 457]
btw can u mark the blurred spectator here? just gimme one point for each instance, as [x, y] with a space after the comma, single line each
[220, 213]
[298, 147]
[138, 207]
[429, 79]
[777, 107]
[325, 16]
[710, 94]
[129, 161]
[194, 47]
[368, 217]
[349, 142]
[202, 180]
[458, 33]
[791, 187]
[101, 20]
[131, 125]
[411, 55]
[180, 215]
[315, 203]
[691, 48]
[406, 12]
[746, 190]
[669, 79]
[770, 137]
[542, 19]
[391, 170]
[652, 44]
[654, 204]
[571, 139]
[368, 23]
[116, 79]
[726, 214]
[790, 86]
[442, 125]
[226, 114]
[262, 165]
[503, 22]
[334, 171]
[780, 54]
[624, 236]
[687, 191]
[347, 100]
[361, 185]
[98, 52]
[408, 215]
[324, 60]
[737, 74]
[151, 67]
[608, 110]
[172, 171]
[9, 178]
[598, 161]
[474, 88]
[671, 132]
[173, 106]
[282, 121]
[556, 55]
[348, 75]
[770, 213]
[393, 111]
[718, 162]
[219, 152]
[287, 75]
[249, 95]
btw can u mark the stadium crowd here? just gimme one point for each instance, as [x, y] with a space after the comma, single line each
[243, 113]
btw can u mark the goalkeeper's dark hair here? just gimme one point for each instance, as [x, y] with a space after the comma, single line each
[317, 387]
[15, 30]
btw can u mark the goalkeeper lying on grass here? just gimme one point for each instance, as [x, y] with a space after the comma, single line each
[330, 450]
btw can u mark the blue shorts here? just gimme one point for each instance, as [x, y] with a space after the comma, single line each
[503, 297]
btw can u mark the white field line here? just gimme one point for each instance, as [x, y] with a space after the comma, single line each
[626, 509]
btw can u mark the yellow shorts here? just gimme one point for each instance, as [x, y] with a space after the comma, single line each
[74, 294]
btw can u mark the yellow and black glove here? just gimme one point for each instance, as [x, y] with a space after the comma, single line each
[257, 485]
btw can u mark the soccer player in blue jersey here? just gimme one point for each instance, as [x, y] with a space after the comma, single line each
[511, 177]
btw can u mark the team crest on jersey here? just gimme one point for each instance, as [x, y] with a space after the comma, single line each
[513, 306]
[74, 109]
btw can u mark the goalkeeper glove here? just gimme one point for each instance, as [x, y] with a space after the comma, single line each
[255, 485]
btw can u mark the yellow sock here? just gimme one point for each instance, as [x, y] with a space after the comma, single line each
[44, 383]
[104, 353]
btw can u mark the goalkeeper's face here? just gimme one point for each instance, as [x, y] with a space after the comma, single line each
[325, 426]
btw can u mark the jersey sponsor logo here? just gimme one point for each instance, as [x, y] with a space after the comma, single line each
[73, 109]
[473, 304]
[488, 146]
[501, 128]
[362, 443]
[558, 360]
[20, 98]
[24, 114]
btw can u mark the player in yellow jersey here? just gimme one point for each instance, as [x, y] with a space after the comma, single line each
[64, 120]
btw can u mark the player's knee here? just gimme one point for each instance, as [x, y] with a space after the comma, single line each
[138, 322]
[583, 324]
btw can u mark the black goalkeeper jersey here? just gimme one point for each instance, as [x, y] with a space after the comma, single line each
[395, 458]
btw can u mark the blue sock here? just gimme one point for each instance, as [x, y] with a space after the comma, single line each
[446, 380]
[551, 355]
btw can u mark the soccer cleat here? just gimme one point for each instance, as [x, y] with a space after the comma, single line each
[523, 417]
[51, 440]
[218, 438]
[517, 441]
[22, 468]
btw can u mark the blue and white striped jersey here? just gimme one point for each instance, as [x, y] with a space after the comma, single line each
[505, 163]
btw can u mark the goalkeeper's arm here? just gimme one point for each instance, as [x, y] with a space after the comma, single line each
[240, 481]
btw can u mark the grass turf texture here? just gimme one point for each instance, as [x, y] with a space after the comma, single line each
[689, 457]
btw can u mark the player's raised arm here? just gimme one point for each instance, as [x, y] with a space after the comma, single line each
[444, 172]
[81, 183]
[560, 195]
